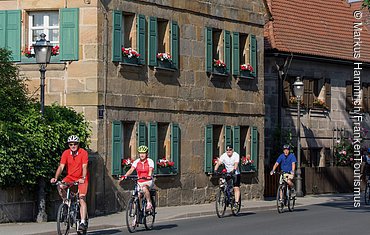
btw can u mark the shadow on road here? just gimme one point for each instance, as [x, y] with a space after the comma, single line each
[105, 232]
[347, 205]
[166, 226]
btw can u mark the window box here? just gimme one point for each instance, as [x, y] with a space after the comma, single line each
[219, 70]
[132, 60]
[166, 171]
[165, 64]
[246, 74]
[247, 168]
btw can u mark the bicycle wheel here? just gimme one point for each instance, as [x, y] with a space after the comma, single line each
[220, 203]
[235, 211]
[63, 224]
[367, 194]
[291, 201]
[279, 199]
[150, 217]
[132, 214]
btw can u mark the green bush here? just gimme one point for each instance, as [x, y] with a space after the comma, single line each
[31, 145]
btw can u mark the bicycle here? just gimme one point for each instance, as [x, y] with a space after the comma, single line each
[367, 191]
[69, 211]
[283, 195]
[225, 196]
[136, 212]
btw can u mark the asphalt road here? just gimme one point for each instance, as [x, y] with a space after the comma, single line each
[334, 218]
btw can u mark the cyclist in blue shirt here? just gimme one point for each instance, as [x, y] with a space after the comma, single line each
[287, 162]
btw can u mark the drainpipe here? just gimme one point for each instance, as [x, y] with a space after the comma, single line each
[105, 76]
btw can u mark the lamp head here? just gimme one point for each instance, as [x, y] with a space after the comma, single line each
[42, 49]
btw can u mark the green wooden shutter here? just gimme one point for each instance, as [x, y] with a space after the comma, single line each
[175, 44]
[117, 147]
[152, 41]
[209, 45]
[236, 139]
[235, 54]
[153, 143]
[117, 36]
[208, 139]
[227, 135]
[141, 36]
[141, 134]
[227, 50]
[2, 29]
[253, 54]
[328, 93]
[286, 93]
[13, 33]
[69, 33]
[175, 145]
[254, 146]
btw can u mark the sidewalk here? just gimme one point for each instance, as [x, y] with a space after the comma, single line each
[116, 220]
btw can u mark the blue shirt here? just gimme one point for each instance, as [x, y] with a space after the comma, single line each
[285, 162]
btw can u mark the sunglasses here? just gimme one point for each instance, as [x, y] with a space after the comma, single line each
[73, 144]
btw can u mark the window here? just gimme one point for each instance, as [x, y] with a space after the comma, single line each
[43, 22]
[217, 50]
[163, 39]
[60, 28]
[244, 52]
[317, 93]
[243, 138]
[162, 139]
[128, 33]
[355, 92]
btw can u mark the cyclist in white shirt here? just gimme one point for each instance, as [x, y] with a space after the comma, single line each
[231, 161]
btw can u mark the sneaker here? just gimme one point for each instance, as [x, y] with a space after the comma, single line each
[236, 206]
[83, 226]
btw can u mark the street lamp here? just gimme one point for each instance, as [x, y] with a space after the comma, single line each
[42, 49]
[298, 92]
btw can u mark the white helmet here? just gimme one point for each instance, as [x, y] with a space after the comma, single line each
[73, 138]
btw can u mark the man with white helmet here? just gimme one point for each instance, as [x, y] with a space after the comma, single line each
[76, 160]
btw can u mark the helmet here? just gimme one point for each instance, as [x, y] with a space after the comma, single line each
[286, 146]
[73, 138]
[142, 149]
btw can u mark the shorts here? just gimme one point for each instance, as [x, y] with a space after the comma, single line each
[289, 176]
[236, 180]
[82, 188]
[148, 183]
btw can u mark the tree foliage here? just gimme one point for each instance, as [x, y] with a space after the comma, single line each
[31, 144]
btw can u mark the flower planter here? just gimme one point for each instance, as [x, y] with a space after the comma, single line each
[164, 64]
[165, 170]
[132, 60]
[219, 70]
[246, 74]
[248, 168]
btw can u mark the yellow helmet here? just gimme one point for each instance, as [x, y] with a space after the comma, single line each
[142, 149]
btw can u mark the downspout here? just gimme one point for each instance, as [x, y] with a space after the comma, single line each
[105, 119]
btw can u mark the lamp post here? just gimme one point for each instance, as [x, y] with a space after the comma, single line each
[298, 92]
[42, 49]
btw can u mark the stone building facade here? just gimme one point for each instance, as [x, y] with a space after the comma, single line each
[324, 57]
[186, 110]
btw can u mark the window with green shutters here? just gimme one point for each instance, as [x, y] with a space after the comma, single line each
[128, 37]
[218, 51]
[244, 140]
[117, 147]
[163, 43]
[62, 31]
[244, 55]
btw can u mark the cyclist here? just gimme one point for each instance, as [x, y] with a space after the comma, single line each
[76, 160]
[231, 161]
[287, 161]
[144, 168]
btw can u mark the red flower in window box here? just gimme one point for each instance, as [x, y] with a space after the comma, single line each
[164, 56]
[246, 67]
[162, 163]
[29, 52]
[214, 160]
[246, 160]
[127, 163]
[130, 53]
[219, 63]
[55, 50]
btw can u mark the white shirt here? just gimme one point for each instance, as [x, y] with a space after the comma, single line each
[230, 161]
